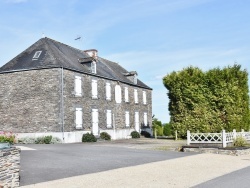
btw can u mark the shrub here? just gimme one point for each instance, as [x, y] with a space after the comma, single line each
[145, 134]
[240, 142]
[7, 137]
[39, 140]
[55, 140]
[167, 129]
[27, 140]
[159, 130]
[47, 139]
[135, 134]
[88, 137]
[105, 136]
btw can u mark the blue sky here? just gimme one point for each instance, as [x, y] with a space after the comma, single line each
[153, 37]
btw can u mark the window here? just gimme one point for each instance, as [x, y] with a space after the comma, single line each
[144, 97]
[137, 122]
[135, 79]
[93, 67]
[109, 119]
[145, 119]
[94, 89]
[136, 95]
[36, 55]
[78, 117]
[126, 94]
[118, 96]
[78, 86]
[108, 91]
[95, 129]
[127, 118]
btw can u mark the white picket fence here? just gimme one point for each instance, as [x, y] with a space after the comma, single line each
[215, 138]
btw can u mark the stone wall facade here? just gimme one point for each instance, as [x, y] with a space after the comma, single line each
[31, 102]
[9, 167]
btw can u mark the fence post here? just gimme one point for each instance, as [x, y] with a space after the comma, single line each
[242, 133]
[188, 138]
[176, 136]
[234, 134]
[224, 141]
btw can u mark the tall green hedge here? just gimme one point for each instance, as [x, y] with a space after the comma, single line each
[208, 101]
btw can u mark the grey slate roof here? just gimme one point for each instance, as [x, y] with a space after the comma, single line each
[56, 54]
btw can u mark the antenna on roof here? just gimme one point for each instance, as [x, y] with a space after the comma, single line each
[79, 38]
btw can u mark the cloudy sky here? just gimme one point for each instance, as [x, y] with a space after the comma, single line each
[153, 37]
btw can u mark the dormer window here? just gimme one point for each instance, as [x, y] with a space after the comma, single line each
[135, 79]
[36, 55]
[132, 76]
[93, 67]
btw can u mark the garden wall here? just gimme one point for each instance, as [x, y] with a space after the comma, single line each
[9, 167]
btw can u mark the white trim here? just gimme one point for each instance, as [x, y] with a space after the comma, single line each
[78, 85]
[126, 94]
[109, 118]
[127, 123]
[94, 89]
[136, 96]
[78, 118]
[144, 96]
[118, 94]
[108, 91]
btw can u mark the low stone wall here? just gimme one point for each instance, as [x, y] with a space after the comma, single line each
[234, 152]
[9, 167]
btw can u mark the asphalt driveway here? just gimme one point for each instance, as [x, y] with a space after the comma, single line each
[51, 162]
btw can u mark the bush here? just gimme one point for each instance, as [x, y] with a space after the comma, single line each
[55, 140]
[39, 140]
[88, 137]
[145, 134]
[47, 139]
[240, 142]
[27, 140]
[135, 134]
[7, 137]
[105, 136]
[167, 129]
[159, 130]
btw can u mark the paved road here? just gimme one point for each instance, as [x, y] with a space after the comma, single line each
[51, 162]
[239, 178]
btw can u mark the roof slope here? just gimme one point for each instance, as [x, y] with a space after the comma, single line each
[56, 54]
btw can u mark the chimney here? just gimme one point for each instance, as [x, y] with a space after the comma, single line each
[92, 53]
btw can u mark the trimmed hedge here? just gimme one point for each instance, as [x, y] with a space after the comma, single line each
[135, 134]
[105, 136]
[88, 137]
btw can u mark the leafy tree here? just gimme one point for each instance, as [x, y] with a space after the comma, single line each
[167, 129]
[208, 101]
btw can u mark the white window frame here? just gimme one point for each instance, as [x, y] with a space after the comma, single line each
[37, 55]
[144, 96]
[78, 118]
[126, 94]
[127, 122]
[109, 118]
[108, 91]
[118, 94]
[94, 89]
[145, 118]
[93, 67]
[95, 122]
[136, 96]
[78, 86]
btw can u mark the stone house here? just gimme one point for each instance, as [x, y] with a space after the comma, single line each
[54, 89]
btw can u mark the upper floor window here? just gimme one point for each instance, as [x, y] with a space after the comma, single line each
[109, 119]
[126, 94]
[144, 95]
[78, 118]
[118, 92]
[78, 86]
[127, 118]
[136, 96]
[93, 67]
[94, 89]
[108, 91]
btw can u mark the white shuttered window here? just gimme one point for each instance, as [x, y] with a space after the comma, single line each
[127, 118]
[95, 121]
[118, 94]
[109, 119]
[145, 119]
[78, 86]
[144, 95]
[78, 117]
[126, 94]
[137, 122]
[108, 91]
[136, 95]
[94, 89]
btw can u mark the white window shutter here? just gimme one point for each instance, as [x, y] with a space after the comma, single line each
[94, 88]
[137, 122]
[78, 86]
[95, 121]
[108, 91]
[136, 95]
[126, 94]
[145, 119]
[109, 119]
[118, 92]
[127, 119]
[144, 97]
[78, 119]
